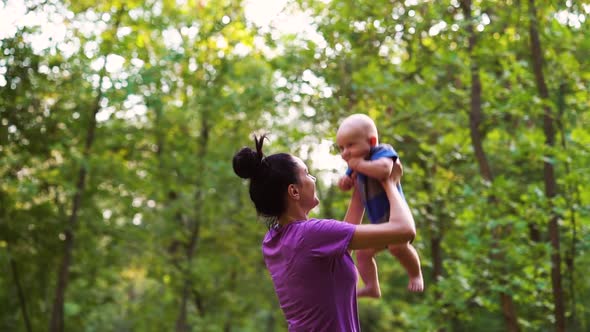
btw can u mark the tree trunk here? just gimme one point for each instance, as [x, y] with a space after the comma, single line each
[21, 295]
[181, 324]
[575, 201]
[436, 253]
[173, 248]
[548, 170]
[227, 326]
[435, 225]
[475, 119]
[57, 314]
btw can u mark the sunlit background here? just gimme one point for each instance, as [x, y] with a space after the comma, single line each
[271, 15]
[119, 210]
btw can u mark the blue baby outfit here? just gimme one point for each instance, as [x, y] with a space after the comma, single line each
[372, 193]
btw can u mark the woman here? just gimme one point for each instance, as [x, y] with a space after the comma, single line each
[309, 259]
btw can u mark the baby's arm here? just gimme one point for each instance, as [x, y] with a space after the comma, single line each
[379, 169]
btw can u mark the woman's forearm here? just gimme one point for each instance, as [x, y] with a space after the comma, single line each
[399, 211]
[354, 214]
[400, 228]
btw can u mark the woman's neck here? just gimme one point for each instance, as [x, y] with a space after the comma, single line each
[291, 216]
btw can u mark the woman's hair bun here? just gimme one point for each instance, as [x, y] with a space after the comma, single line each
[247, 162]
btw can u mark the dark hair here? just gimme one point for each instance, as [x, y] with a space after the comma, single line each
[269, 178]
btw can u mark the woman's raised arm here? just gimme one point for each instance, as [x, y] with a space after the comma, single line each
[400, 228]
[354, 214]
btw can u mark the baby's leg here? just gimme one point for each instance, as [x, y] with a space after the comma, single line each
[408, 256]
[367, 267]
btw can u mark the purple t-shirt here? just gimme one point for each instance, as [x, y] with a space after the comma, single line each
[313, 274]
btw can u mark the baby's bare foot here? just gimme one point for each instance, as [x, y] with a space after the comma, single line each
[416, 284]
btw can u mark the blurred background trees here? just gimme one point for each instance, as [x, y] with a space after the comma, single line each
[119, 209]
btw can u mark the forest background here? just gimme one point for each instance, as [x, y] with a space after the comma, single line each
[119, 209]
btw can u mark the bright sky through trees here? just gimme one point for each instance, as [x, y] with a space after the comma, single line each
[269, 15]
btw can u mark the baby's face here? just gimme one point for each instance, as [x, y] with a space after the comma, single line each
[353, 143]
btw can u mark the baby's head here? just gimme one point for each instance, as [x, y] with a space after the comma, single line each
[356, 136]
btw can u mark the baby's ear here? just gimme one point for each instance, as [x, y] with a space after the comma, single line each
[373, 141]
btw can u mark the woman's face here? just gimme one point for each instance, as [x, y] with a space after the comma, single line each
[306, 186]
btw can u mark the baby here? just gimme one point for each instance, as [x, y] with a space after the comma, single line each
[370, 163]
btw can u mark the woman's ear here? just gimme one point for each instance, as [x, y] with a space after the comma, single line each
[293, 191]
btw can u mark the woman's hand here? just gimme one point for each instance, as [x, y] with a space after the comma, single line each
[397, 171]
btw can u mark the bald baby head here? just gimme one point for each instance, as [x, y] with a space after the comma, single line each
[358, 125]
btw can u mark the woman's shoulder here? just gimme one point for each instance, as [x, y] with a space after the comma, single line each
[327, 237]
[317, 223]
[309, 227]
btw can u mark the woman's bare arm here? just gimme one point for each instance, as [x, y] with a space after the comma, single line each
[355, 212]
[400, 228]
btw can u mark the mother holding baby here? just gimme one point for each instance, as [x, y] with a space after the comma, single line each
[309, 260]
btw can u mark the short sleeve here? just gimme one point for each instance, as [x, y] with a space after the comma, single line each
[326, 237]
[384, 151]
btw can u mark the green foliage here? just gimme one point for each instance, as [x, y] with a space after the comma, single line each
[181, 85]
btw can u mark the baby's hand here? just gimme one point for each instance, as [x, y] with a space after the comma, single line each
[354, 162]
[345, 183]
